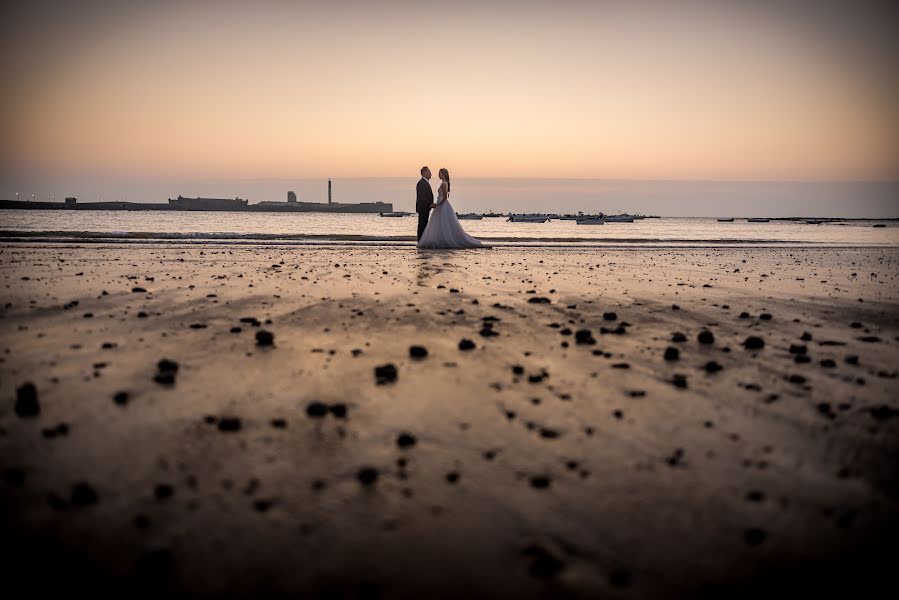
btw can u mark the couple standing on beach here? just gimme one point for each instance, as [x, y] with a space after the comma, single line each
[440, 229]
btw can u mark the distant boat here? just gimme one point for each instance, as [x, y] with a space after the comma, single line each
[730, 220]
[814, 222]
[394, 214]
[492, 215]
[591, 221]
[469, 217]
[625, 218]
[879, 225]
[758, 220]
[528, 218]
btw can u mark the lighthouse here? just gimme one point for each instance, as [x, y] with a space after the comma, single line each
[329, 191]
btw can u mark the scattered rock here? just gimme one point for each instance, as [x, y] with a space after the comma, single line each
[27, 405]
[367, 476]
[712, 367]
[406, 440]
[166, 371]
[466, 344]
[316, 409]
[163, 491]
[385, 374]
[754, 343]
[540, 482]
[672, 353]
[83, 494]
[584, 336]
[229, 424]
[705, 337]
[265, 338]
[754, 536]
[418, 352]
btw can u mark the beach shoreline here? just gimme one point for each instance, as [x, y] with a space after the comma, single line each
[569, 452]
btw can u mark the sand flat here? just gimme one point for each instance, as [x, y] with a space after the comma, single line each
[540, 466]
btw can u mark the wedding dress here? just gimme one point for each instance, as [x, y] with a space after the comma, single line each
[444, 230]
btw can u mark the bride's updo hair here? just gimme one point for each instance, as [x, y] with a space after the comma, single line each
[444, 175]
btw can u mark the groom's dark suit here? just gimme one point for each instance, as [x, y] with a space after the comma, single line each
[424, 198]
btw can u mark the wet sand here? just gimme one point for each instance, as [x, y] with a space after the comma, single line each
[379, 422]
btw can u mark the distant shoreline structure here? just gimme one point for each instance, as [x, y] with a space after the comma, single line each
[182, 203]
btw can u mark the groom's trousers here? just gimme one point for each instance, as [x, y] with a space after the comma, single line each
[422, 223]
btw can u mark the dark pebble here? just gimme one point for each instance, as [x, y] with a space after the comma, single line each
[120, 398]
[545, 563]
[452, 477]
[167, 366]
[83, 495]
[754, 343]
[754, 536]
[679, 381]
[265, 338]
[755, 496]
[228, 424]
[678, 337]
[712, 367]
[316, 409]
[883, 412]
[538, 300]
[672, 353]
[163, 491]
[705, 337]
[540, 482]
[466, 344]
[405, 440]
[385, 374]
[339, 410]
[584, 336]
[27, 405]
[367, 475]
[418, 352]
[609, 316]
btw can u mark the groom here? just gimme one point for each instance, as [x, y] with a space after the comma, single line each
[424, 200]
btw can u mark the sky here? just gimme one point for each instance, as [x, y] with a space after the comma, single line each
[149, 100]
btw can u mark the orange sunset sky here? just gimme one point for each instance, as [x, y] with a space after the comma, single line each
[677, 90]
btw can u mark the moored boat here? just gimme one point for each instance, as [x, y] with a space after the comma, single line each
[730, 220]
[469, 217]
[758, 220]
[528, 218]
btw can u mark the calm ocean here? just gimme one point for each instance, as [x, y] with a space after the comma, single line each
[311, 228]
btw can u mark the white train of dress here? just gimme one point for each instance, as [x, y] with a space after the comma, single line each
[444, 230]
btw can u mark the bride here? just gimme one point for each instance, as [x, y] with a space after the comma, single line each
[443, 229]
